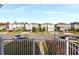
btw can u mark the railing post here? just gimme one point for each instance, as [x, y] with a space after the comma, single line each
[2, 47]
[33, 47]
[67, 46]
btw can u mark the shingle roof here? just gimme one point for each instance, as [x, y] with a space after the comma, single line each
[62, 24]
[47, 23]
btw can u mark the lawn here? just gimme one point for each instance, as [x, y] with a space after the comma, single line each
[15, 32]
[75, 32]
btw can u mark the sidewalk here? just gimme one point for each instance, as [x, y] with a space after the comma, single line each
[3, 32]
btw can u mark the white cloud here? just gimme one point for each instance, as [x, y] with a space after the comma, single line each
[53, 12]
[19, 9]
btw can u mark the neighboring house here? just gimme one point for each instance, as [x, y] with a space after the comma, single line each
[13, 26]
[31, 25]
[63, 26]
[75, 25]
[4, 26]
[48, 26]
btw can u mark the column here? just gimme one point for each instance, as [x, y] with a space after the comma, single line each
[67, 46]
[33, 47]
[2, 47]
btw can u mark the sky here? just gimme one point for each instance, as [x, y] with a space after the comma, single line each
[40, 13]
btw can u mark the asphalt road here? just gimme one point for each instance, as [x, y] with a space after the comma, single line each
[5, 36]
[38, 36]
[43, 37]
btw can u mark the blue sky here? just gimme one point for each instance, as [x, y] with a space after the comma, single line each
[40, 13]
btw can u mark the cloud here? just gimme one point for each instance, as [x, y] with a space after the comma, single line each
[52, 12]
[19, 9]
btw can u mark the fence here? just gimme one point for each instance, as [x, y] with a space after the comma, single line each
[38, 47]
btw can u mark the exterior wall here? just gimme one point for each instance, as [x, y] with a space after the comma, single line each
[76, 26]
[4, 27]
[12, 26]
[15, 26]
[64, 26]
[29, 26]
[48, 27]
[1, 27]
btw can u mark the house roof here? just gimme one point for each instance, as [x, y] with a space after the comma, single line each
[75, 23]
[4, 24]
[34, 23]
[62, 24]
[47, 24]
[16, 23]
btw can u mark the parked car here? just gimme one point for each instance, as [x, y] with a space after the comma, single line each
[19, 37]
[69, 36]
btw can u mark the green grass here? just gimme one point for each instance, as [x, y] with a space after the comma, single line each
[74, 32]
[16, 32]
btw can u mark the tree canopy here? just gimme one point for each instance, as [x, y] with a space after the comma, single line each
[1, 5]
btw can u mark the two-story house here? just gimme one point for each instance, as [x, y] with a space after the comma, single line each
[13, 26]
[75, 25]
[31, 25]
[48, 26]
[63, 26]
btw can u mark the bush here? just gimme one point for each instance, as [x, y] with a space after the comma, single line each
[33, 29]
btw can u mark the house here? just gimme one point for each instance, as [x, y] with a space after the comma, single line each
[13, 26]
[4, 26]
[31, 25]
[48, 26]
[63, 26]
[75, 25]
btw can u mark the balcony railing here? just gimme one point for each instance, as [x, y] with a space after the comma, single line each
[36, 47]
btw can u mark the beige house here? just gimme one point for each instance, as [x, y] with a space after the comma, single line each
[13, 26]
[64, 26]
[48, 26]
[31, 25]
[75, 25]
[4, 26]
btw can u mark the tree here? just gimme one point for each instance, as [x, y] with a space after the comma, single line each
[77, 30]
[39, 28]
[15, 22]
[24, 28]
[1, 5]
[57, 28]
[33, 29]
[7, 22]
[43, 29]
[72, 29]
